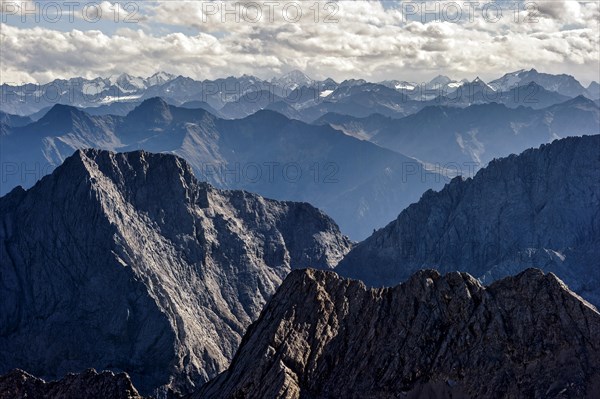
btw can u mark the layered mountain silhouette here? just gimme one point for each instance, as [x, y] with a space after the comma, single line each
[361, 185]
[127, 262]
[538, 209]
[299, 95]
[457, 137]
[131, 240]
[14, 120]
[322, 336]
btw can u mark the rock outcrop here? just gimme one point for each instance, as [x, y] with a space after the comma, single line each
[538, 209]
[322, 336]
[126, 262]
[106, 385]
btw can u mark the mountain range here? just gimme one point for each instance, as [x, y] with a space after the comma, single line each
[90, 384]
[563, 84]
[286, 159]
[127, 262]
[300, 96]
[538, 209]
[195, 239]
[474, 135]
[361, 185]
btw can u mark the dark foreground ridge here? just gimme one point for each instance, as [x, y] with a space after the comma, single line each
[322, 336]
[20, 385]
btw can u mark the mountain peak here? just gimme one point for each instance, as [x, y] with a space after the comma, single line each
[61, 113]
[154, 110]
[160, 78]
[440, 80]
[576, 101]
[449, 318]
[128, 169]
[296, 74]
[535, 182]
[293, 79]
[154, 102]
[152, 267]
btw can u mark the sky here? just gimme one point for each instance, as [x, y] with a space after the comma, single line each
[372, 40]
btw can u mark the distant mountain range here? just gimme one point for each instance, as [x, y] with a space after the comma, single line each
[456, 137]
[538, 209]
[127, 262]
[358, 183]
[294, 94]
[563, 84]
[361, 181]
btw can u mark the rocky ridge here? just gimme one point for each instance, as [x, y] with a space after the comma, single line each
[106, 385]
[126, 262]
[537, 209]
[322, 336]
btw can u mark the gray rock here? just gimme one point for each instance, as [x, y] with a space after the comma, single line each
[538, 209]
[126, 262]
[20, 385]
[322, 336]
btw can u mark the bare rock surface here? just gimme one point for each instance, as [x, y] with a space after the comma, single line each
[106, 385]
[434, 336]
[537, 209]
[126, 262]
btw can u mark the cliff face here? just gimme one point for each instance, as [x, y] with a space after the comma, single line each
[322, 336]
[127, 262]
[538, 209]
[19, 385]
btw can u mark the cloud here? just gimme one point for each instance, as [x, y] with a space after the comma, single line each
[367, 41]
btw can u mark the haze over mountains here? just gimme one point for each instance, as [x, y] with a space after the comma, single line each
[538, 209]
[151, 230]
[360, 184]
[271, 152]
[305, 98]
[458, 137]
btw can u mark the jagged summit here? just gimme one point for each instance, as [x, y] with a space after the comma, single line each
[433, 336]
[19, 384]
[160, 78]
[562, 83]
[162, 273]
